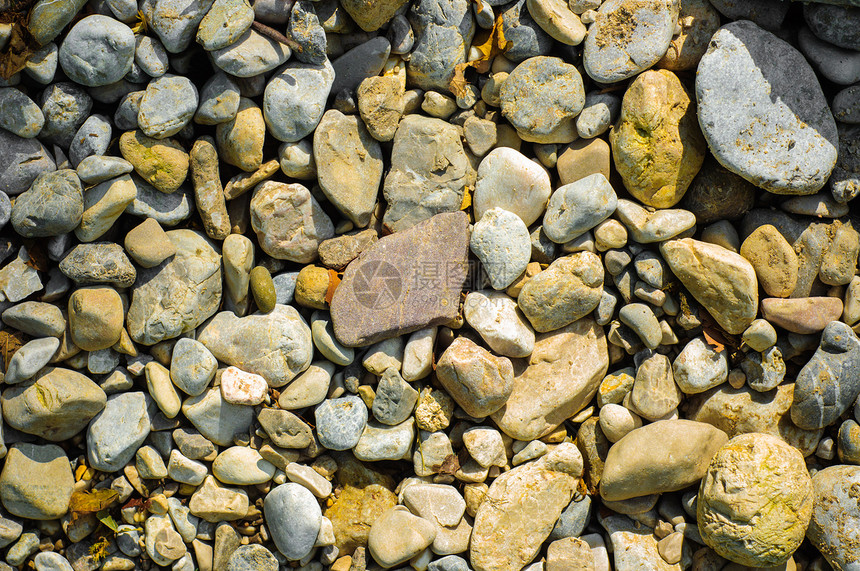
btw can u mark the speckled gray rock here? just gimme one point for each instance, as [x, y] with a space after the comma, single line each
[251, 55]
[276, 345]
[97, 51]
[349, 165]
[36, 482]
[501, 241]
[96, 169]
[167, 106]
[21, 161]
[628, 37]
[846, 105]
[755, 120]
[289, 222]
[219, 100]
[834, 514]
[699, 367]
[578, 207]
[65, 106]
[363, 61]
[443, 34]
[53, 205]
[541, 98]
[340, 422]
[765, 370]
[192, 366]
[395, 399]
[295, 98]
[838, 25]
[179, 294]
[381, 442]
[115, 434]
[845, 180]
[58, 404]
[429, 172]
[175, 21]
[567, 290]
[216, 419]
[293, 518]
[93, 138]
[527, 38]
[224, 23]
[151, 56]
[19, 114]
[828, 384]
[98, 263]
[252, 557]
[304, 28]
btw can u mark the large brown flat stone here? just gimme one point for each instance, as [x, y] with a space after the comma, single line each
[406, 281]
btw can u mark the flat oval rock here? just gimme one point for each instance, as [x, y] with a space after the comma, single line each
[757, 121]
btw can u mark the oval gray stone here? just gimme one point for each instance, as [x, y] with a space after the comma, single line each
[293, 517]
[295, 98]
[97, 51]
[115, 434]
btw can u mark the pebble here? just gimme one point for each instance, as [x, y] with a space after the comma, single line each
[499, 322]
[578, 207]
[657, 146]
[397, 536]
[541, 97]
[340, 422]
[294, 100]
[508, 180]
[501, 241]
[97, 51]
[36, 482]
[442, 36]
[19, 114]
[250, 55]
[699, 367]
[224, 23]
[216, 419]
[627, 38]
[801, 315]
[295, 519]
[781, 481]
[477, 380]
[242, 466]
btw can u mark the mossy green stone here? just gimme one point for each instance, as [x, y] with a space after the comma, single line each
[263, 289]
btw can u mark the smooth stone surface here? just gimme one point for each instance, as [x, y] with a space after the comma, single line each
[698, 367]
[97, 51]
[541, 97]
[578, 207]
[722, 281]
[647, 227]
[559, 379]
[755, 501]
[252, 54]
[115, 434]
[167, 106]
[340, 422]
[175, 22]
[53, 205]
[276, 345]
[161, 163]
[349, 165]
[58, 404]
[397, 536]
[103, 204]
[179, 294]
[664, 456]
[501, 241]
[224, 24]
[748, 104]
[215, 418]
[242, 466]
[499, 322]
[36, 482]
[294, 100]
[509, 180]
[477, 380]
[23, 160]
[802, 315]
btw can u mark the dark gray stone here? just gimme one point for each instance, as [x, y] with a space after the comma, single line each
[304, 27]
[527, 38]
[21, 161]
[838, 25]
[829, 383]
[443, 34]
[54, 205]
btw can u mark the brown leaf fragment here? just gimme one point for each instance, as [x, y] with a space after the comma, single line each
[10, 341]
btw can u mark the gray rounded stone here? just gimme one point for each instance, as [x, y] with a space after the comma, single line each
[177, 295]
[305, 29]
[192, 366]
[21, 161]
[251, 55]
[756, 121]
[175, 21]
[252, 557]
[838, 25]
[167, 106]
[96, 169]
[93, 138]
[36, 482]
[293, 518]
[340, 422]
[541, 98]
[295, 98]
[115, 434]
[219, 100]
[501, 241]
[443, 34]
[19, 114]
[628, 37]
[150, 56]
[54, 205]
[527, 38]
[29, 359]
[65, 106]
[577, 207]
[224, 24]
[97, 51]
[216, 419]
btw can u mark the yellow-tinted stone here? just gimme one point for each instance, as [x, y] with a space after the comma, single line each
[163, 163]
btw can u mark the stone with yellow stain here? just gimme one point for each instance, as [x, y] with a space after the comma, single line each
[657, 146]
[163, 163]
[755, 501]
[240, 140]
[311, 286]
